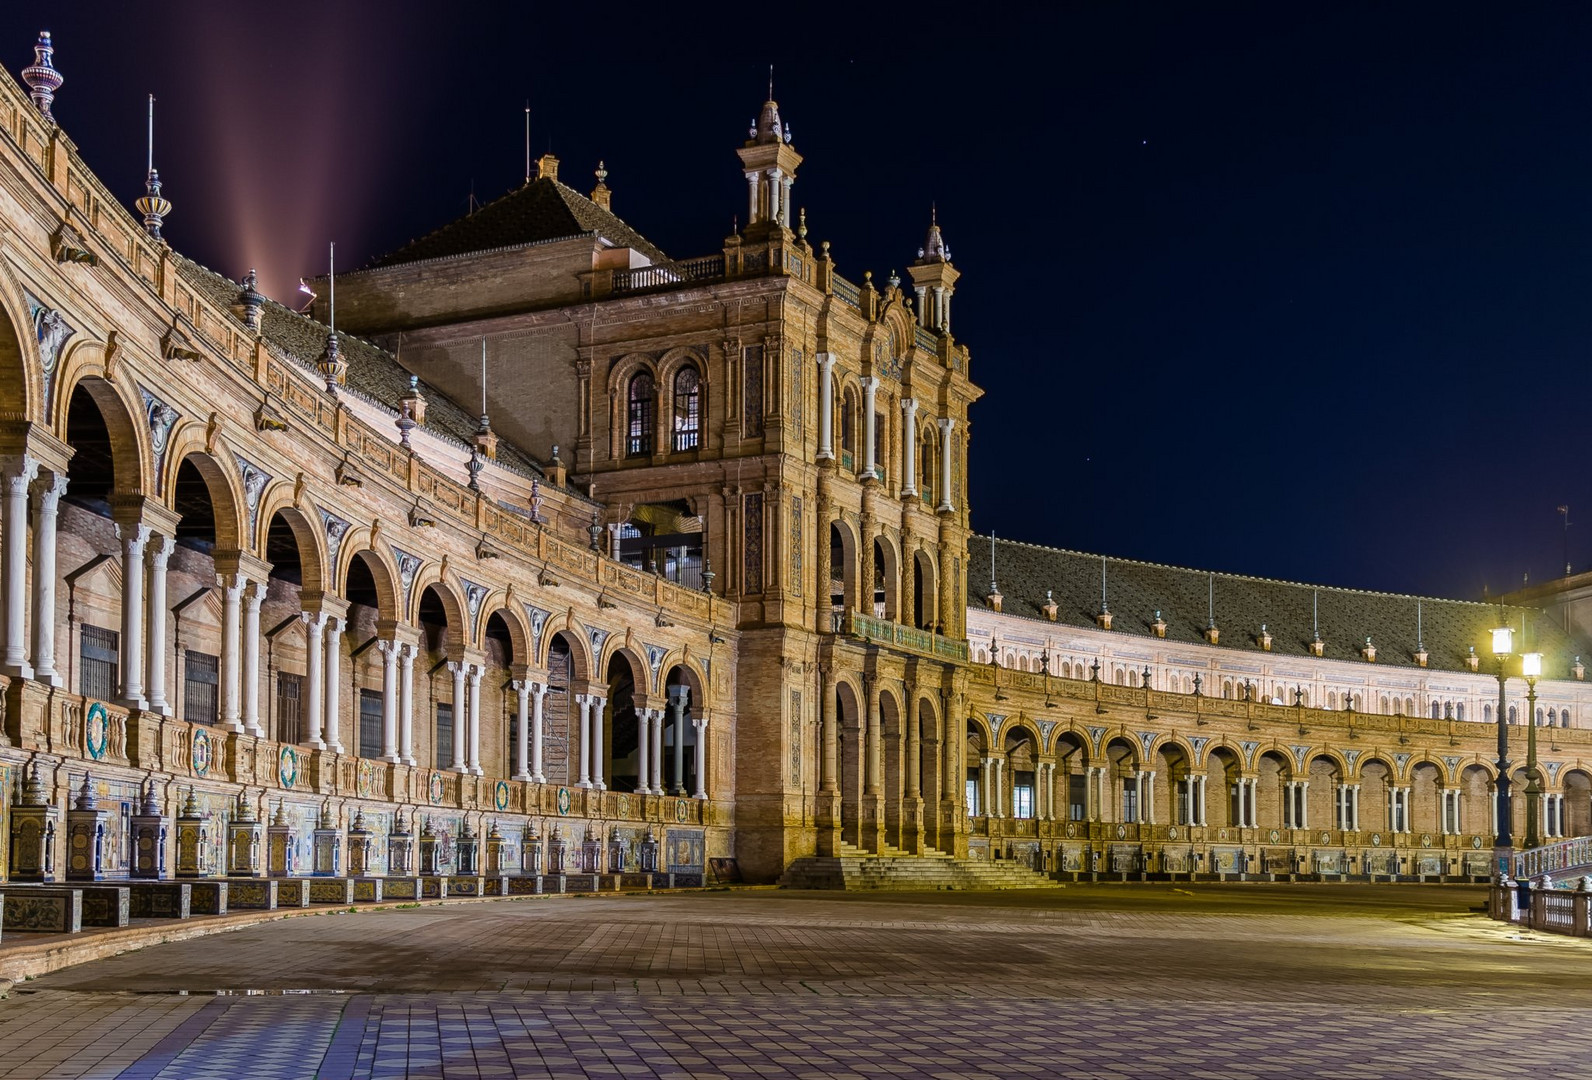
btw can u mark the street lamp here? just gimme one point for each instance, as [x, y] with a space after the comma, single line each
[1531, 668]
[1503, 642]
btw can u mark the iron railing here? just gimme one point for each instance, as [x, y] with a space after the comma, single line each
[1550, 858]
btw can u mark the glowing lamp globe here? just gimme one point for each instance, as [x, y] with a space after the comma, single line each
[1531, 665]
[1503, 641]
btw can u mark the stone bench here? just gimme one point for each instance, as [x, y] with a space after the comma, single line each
[338, 891]
[100, 905]
[635, 881]
[252, 893]
[525, 885]
[161, 899]
[207, 897]
[466, 885]
[401, 888]
[368, 890]
[42, 911]
[292, 892]
[433, 888]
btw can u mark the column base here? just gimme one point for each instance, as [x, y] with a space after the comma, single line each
[48, 677]
[129, 703]
[475, 770]
[584, 785]
[315, 744]
[17, 669]
[392, 758]
[523, 778]
[538, 779]
[162, 708]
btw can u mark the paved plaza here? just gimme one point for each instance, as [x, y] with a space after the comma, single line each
[1087, 981]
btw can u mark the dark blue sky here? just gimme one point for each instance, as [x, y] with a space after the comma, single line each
[1283, 289]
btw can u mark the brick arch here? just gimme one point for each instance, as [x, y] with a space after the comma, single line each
[382, 571]
[622, 371]
[430, 576]
[21, 377]
[226, 499]
[500, 604]
[122, 411]
[278, 499]
[581, 665]
[640, 673]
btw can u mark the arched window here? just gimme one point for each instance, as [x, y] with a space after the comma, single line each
[1437, 710]
[1514, 714]
[1539, 717]
[638, 441]
[1486, 713]
[848, 424]
[1459, 711]
[687, 409]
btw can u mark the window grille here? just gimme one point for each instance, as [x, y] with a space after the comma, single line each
[99, 660]
[443, 751]
[370, 723]
[289, 707]
[639, 438]
[687, 409]
[201, 679]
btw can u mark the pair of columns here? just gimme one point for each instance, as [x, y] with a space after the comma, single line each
[1449, 820]
[650, 781]
[18, 476]
[768, 196]
[528, 730]
[398, 700]
[466, 716]
[1045, 796]
[909, 406]
[1296, 804]
[1346, 803]
[1193, 798]
[990, 769]
[1244, 802]
[592, 752]
[323, 656]
[1398, 810]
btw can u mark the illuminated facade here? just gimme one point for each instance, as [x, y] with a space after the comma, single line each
[566, 554]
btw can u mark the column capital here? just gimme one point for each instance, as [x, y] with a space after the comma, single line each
[946, 424]
[17, 471]
[47, 491]
[254, 593]
[159, 550]
[133, 538]
[869, 383]
[909, 405]
[315, 620]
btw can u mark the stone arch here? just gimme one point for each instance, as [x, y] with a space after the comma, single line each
[849, 722]
[1122, 760]
[21, 377]
[620, 375]
[1175, 763]
[514, 620]
[886, 577]
[1577, 787]
[1273, 772]
[1223, 767]
[125, 427]
[927, 716]
[452, 601]
[567, 629]
[1475, 799]
[1377, 777]
[842, 541]
[925, 591]
[309, 541]
[383, 575]
[226, 502]
[1426, 782]
[618, 650]
[1325, 770]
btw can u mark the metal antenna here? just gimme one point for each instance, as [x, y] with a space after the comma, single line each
[527, 140]
[331, 281]
[1564, 512]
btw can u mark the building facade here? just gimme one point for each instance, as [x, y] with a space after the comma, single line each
[562, 541]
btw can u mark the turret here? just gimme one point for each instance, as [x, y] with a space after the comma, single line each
[934, 278]
[769, 162]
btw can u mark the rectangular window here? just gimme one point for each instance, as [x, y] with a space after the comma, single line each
[370, 723]
[1077, 796]
[99, 660]
[444, 745]
[972, 795]
[289, 707]
[1130, 800]
[1023, 800]
[201, 679]
[752, 391]
[1182, 802]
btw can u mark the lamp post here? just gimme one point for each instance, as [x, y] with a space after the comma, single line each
[1531, 668]
[1503, 646]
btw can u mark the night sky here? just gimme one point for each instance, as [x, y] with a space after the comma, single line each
[1290, 290]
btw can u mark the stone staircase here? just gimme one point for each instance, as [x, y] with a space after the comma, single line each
[893, 868]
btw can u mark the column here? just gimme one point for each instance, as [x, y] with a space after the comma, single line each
[774, 190]
[947, 424]
[1287, 804]
[1050, 791]
[1354, 807]
[458, 669]
[476, 671]
[913, 765]
[599, 747]
[826, 406]
[314, 660]
[18, 473]
[158, 553]
[870, 388]
[46, 507]
[751, 198]
[700, 723]
[643, 750]
[909, 447]
[389, 698]
[522, 731]
[1302, 819]
[873, 776]
[1203, 803]
[784, 204]
[982, 809]
[829, 758]
[253, 597]
[1147, 798]
[406, 701]
[133, 538]
[677, 701]
[334, 678]
[538, 694]
[584, 701]
[657, 752]
[230, 711]
[998, 772]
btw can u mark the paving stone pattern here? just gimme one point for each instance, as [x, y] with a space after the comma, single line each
[1241, 982]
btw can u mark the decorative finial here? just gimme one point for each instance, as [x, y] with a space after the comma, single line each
[42, 78]
[85, 795]
[595, 531]
[474, 466]
[602, 172]
[153, 206]
[250, 300]
[190, 805]
[801, 223]
[331, 364]
[536, 500]
[151, 799]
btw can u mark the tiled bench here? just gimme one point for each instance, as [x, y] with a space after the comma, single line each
[252, 893]
[339, 891]
[43, 911]
[368, 890]
[161, 899]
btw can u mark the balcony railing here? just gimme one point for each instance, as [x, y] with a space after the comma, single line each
[847, 292]
[667, 275]
[1551, 858]
[922, 642]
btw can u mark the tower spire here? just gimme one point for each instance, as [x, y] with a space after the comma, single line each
[42, 78]
[153, 206]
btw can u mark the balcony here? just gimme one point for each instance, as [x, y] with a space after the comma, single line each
[905, 638]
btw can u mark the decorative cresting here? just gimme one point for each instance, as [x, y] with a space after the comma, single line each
[51, 330]
[254, 481]
[161, 418]
[41, 77]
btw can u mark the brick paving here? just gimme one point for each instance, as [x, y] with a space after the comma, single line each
[1242, 981]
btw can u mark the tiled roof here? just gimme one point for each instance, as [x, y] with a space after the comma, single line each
[1136, 590]
[544, 209]
[372, 371]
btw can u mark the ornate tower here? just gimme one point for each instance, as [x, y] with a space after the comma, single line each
[769, 161]
[934, 278]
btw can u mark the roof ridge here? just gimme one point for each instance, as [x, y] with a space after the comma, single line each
[1247, 577]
